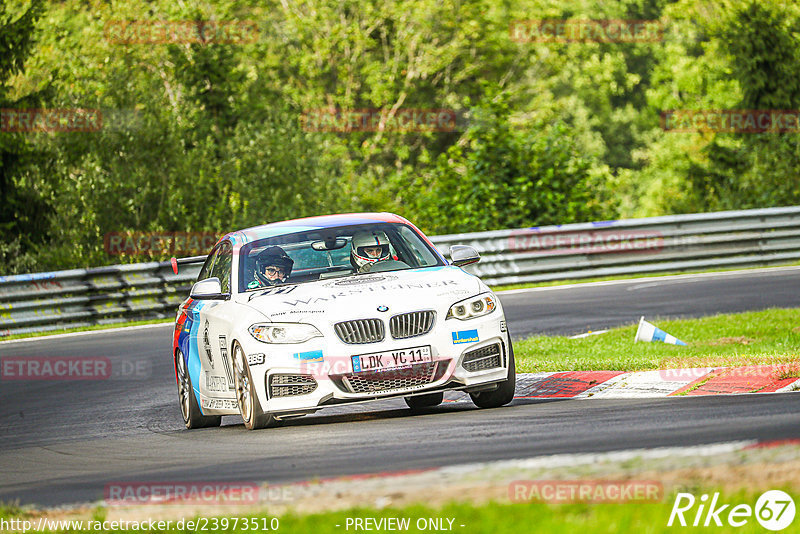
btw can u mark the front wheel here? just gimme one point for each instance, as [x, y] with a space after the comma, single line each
[249, 406]
[505, 390]
[192, 416]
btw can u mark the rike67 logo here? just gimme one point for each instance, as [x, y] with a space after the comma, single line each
[774, 510]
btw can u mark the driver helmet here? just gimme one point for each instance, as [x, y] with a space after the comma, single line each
[367, 247]
[273, 266]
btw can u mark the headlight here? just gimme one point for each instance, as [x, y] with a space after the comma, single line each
[472, 307]
[283, 332]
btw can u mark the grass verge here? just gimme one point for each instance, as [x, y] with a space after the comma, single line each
[768, 337]
[490, 518]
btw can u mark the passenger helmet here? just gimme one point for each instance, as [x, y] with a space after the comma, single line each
[273, 256]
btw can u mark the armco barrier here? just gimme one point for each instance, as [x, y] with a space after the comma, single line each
[81, 297]
[635, 246]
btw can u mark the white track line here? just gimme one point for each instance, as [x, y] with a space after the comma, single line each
[767, 270]
[590, 333]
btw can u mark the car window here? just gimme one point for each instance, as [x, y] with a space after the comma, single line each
[421, 252]
[308, 258]
[407, 249]
[222, 266]
[205, 271]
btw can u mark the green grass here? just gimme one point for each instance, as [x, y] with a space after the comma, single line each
[765, 337]
[11, 510]
[495, 518]
[551, 283]
[87, 328]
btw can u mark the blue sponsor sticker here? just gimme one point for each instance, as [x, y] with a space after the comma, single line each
[465, 336]
[311, 356]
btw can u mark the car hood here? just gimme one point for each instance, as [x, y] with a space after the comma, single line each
[356, 297]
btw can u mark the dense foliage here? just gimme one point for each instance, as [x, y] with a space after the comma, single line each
[210, 135]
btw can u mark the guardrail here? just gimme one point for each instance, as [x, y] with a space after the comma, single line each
[635, 246]
[107, 295]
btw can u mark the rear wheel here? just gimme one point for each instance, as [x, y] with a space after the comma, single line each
[192, 416]
[249, 406]
[419, 402]
[505, 390]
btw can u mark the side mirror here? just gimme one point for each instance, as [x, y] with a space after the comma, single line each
[463, 255]
[208, 289]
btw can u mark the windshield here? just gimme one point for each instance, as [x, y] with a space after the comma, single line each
[332, 253]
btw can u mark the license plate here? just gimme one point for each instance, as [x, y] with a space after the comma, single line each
[391, 359]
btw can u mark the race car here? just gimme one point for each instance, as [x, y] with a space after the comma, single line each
[290, 317]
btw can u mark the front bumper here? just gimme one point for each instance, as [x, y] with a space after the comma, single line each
[299, 379]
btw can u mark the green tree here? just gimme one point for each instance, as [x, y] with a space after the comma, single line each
[501, 176]
[21, 225]
[762, 42]
[738, 54]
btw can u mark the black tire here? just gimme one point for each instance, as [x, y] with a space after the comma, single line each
[249, 406]
[504, 392]
[192, 416]
[420, 402]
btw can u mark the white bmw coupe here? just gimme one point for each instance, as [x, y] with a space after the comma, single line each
[294, 316]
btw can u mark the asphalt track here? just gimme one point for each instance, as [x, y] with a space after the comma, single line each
[567, 310]
[62, 442]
